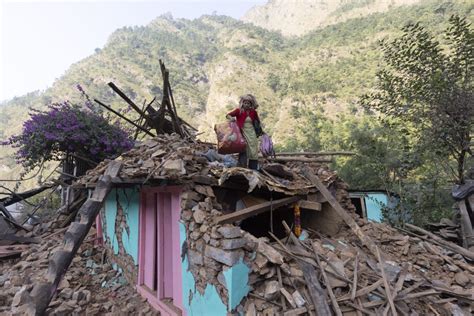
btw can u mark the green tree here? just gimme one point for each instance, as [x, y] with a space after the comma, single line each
[426, 90]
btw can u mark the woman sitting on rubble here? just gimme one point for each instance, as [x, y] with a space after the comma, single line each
[247, 119]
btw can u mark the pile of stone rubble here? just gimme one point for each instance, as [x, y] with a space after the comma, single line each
[90, 287]
[362, 268]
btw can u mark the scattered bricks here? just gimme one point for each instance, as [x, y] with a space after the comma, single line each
[269, 252]
[195, 258]
[226, 257]
[229, 231]
[199, 215]
[271, 290]
[233, 243]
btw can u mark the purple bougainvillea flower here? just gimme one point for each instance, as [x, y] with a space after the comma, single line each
[66, 127]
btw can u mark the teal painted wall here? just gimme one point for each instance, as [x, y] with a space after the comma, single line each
[129, 200]
[237, 279]
[374, 203]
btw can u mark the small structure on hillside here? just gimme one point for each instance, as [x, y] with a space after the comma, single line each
[371, 203]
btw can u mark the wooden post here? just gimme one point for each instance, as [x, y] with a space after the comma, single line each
[60, 260]
[254, 210]
[366, 241]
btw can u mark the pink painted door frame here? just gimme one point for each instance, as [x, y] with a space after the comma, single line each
[159, 254]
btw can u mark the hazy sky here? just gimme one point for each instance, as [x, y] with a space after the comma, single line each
[40, 39]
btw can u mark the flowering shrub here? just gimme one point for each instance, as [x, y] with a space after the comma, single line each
[68, 128]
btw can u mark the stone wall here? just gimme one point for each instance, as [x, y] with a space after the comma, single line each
[120, 229]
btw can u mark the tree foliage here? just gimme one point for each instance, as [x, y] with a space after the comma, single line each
[68, 128]
[426, 90]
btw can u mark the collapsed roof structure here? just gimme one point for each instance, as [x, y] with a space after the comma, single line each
[198, 238]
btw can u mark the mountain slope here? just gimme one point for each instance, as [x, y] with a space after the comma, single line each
[215, 59]
[298, 17]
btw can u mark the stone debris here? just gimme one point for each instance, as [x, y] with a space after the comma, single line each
[88, 288]
[285, 273]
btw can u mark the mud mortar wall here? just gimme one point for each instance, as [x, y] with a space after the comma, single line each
[216, 259]
[120, 220]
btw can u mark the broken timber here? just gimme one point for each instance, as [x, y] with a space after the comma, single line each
[254, 210]
[341, 212]
[59, 262]
[449, 245]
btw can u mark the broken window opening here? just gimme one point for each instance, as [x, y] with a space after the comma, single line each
[260, 225]
[358, 204]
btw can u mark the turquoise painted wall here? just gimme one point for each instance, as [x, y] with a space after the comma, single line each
[237, 279]
[200, 305]
[210, 303]
[374, 203]
[129, 199]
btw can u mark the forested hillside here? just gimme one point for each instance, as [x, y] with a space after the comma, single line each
[307, 86]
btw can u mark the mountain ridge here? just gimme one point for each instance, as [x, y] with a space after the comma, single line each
[215, 59]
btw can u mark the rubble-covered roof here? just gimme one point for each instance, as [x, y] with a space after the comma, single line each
[177, 160]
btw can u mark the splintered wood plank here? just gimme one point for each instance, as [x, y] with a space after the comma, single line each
[310, 205]
[451, 246]
[255, 210]
[335, 306]
[363, 291]
[386, 284]
[466, 226]
[354, 283]
[340, 211]
[315, 290]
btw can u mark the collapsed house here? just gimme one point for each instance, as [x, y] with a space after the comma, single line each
[196, 238]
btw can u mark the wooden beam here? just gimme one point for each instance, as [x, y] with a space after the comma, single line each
[341, 212]
[386, 284]
[335, 306]
[255, 210]
[300, 159]
[123, 117]
[451, 246]
[310, 205]
[315, 290]
[17, 197]
[328, 153]
[467, 232]
[127, 99]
